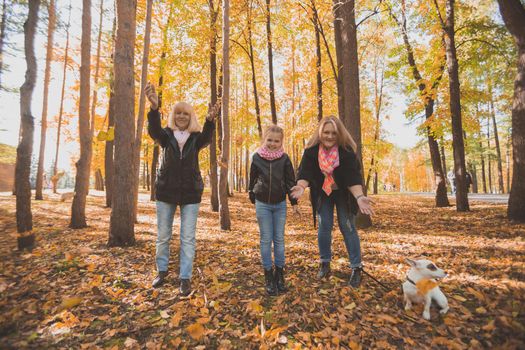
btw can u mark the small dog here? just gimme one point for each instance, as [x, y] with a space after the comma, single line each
[421, 286]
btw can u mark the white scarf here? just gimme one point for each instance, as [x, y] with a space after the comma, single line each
[182, 137]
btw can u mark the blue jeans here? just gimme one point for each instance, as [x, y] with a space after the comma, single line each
[271, 219]
[346, 222]
[188, 222]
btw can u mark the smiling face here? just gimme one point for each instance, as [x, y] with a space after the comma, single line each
[328, 135]
[273, 141]
[182, 115]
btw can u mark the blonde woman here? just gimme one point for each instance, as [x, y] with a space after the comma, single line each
[179, 182]
[332, 171]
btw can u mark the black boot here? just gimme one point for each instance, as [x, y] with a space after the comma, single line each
[271, 288]
[324, 270]
[279, 279]
[185, 287]
[355, 278]
[159, 280]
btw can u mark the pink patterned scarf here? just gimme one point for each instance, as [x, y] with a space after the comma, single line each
[265, 153]
[328, 161]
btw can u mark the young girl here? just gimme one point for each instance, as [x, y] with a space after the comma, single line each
[271, 178]
[331, 169]
[179, 182]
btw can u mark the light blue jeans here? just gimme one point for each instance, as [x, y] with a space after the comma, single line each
[271, 219]
[188, 223]
[346, 222]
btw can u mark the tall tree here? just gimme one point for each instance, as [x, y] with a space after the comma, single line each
[270, 62]
[513, 13]
[458, 146]
[122, 223]
[345, 29]
[214, 14]
[78, 208]
[318, 61]
[496, 139]
[142, 105]
[2, 38]
[97, 67]
[47, 77]
[24, 217]
[224, 210]
[61, 108]
[109, 166]
[441, 198]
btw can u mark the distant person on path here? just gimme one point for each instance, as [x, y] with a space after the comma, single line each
[332, 171]
[179, 181]
[271, 178]
[452, 180]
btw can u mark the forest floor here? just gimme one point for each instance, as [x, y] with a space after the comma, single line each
[74, 292]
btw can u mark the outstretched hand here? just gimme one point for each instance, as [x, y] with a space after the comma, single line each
[365, 205]
[213, 111]
[297, 191]
[151, 95]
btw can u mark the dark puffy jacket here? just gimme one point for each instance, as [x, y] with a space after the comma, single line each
[271, 180]
[347, 174]
[179, 178]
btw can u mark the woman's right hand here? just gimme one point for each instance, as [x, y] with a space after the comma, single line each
[297, 191]
[151, 95]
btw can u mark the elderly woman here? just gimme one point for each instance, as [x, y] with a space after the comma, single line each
[179, 182]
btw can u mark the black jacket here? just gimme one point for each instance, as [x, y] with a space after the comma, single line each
[271, 180]
[347, 174]
[179, 178]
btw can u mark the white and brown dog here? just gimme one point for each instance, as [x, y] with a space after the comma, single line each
[421, 286]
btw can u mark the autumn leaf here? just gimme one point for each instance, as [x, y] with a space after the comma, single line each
[196, 331]
[69, 303]
[425, 285]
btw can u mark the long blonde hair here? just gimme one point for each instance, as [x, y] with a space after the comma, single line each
[344, 139]
[194, 125]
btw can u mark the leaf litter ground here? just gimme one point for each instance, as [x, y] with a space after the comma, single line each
[74, 292]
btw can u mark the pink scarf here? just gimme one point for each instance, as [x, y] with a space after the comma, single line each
[328, 161]
[265, 153]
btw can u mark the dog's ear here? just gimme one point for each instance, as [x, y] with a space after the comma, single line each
[411, 262]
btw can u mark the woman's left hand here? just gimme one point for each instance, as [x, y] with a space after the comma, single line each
[365, 205]
[213, 111]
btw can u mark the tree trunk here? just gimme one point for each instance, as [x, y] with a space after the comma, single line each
[439, 170]
[47, 77]
[513, 13]
[252, 66]
[2, 38]
[489, 156]
[318, 62]
[270, 63]
[496, 139]
[162, 63]
[375, 183]
[97, 67]
[214, 200]
[142, 105]
[225, 149]
[507, 162]
[109, 165]
[349, 75]
[122, 223]
[24, 217]
[78, 208]
[62, 93]
[455, 108]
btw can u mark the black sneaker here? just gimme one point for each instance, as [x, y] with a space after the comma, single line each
[324, 270]
[355, 278]
[270, 286]
[160, 279]
[185, 287]
[279, 279]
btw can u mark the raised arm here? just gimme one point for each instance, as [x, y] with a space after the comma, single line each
[154, 128]
[206, 135]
